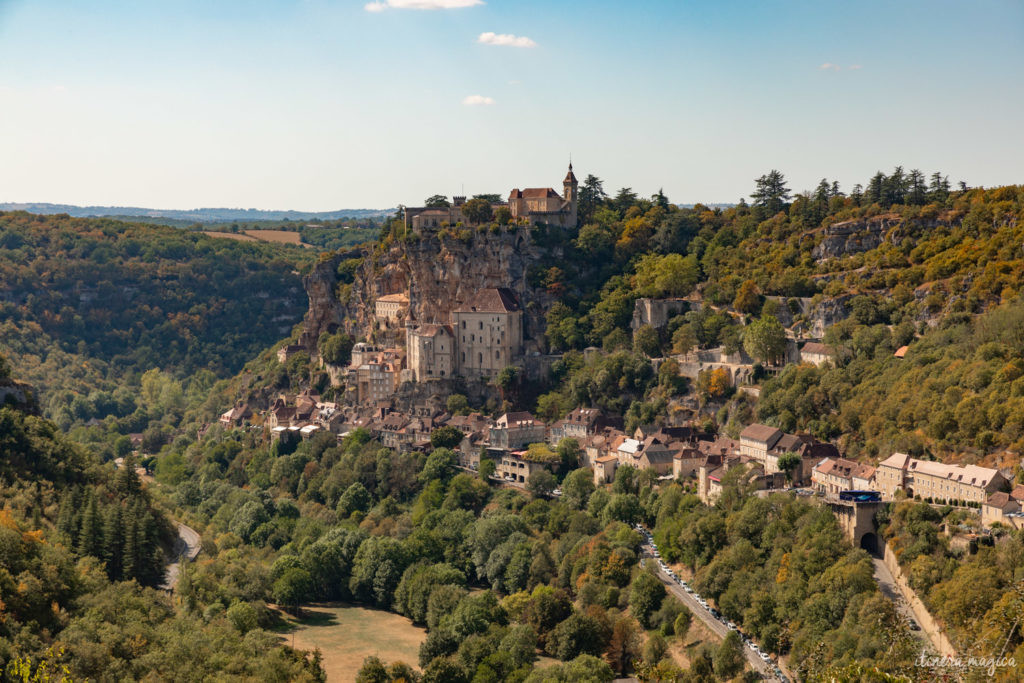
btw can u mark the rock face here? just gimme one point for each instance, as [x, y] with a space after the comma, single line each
[856, 236]
[438, 272]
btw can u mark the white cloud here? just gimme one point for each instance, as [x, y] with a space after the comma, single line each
[505, 40]
[854, 67]
[829, 66]
[475, 100]
[381, 5]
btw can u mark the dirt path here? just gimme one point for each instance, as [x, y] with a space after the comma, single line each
[186, 549]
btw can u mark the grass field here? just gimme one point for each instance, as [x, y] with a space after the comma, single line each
[231, 236]
[346, 635]
[281, 236]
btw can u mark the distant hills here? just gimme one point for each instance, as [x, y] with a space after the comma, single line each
[192, 215]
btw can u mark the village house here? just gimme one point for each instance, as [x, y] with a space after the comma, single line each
[817, 353]
[431, 350]
[833, 475]
[236, 416]
[581, 423]
[516, 466]
[936, 480]
[377, 375]
[604, 469]
[1004, 508]
[516, 430]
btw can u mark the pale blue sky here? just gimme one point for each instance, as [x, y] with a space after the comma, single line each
[322, 104]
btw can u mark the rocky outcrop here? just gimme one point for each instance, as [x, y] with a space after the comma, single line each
[855, 236]
[439, 272]
[18, 395]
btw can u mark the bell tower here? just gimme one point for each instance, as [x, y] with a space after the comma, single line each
[570, 188]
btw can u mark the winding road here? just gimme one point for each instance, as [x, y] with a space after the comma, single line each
[186, 548]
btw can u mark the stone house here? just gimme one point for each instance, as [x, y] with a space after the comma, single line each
[817, 353]
[936, 480]
[516, 430]
[833, 475]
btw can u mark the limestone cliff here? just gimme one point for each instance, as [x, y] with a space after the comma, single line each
[439, 271]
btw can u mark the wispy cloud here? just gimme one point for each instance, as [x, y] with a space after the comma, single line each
[854, 67]
[505, 40]
[829, 66]
[381, 5]
[477, 100]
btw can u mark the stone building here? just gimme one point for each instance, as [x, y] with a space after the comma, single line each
[392, 307]
[545, 205]
[936, 480]
[834, 475]
[489, 333]
[516, 430]
[430, 351]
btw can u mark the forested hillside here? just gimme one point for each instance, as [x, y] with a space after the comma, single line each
[82, 551]
[87, 306]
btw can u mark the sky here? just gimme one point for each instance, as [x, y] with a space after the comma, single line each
[320, 105]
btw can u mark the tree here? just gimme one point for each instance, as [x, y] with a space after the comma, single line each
[5, 368]
[541, 483]
[437, 201]
[683, 340]
[592, 195]
[335, 349]
[477, 211]
[490, 198]
[440, 465]
[445, 437]
[577, 488]
[457, 404]
[645, 341]
[293, 588]
[502, 215]
[765, 340]
[356, 498]
[568, 452]
[771, 193]
[645, 596]
[728, 660]
[624, 645]
[577, 635]
[682, 624]
[748, 298]
[487, 468]
[788, 463]
[507, 378]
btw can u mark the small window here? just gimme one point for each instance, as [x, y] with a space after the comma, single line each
[497, 355]
[481, 358]
[481, 324]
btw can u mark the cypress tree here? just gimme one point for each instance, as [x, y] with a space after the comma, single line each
[131, 562]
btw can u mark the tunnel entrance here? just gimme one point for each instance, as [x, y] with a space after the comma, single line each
[869, 542]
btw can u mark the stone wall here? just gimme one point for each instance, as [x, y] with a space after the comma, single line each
[931, 627]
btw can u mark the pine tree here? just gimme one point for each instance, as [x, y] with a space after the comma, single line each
[90, 537]
[66, 519]
[132, 559]
[938, 190]
[917, 191]
[771, 193]
[126, 481]
[874, 194]
[113, 542]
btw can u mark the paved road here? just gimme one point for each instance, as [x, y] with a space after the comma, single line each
[890, 589]
[717, 627]
[186, 548]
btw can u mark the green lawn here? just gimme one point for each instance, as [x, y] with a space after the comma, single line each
[347, 634]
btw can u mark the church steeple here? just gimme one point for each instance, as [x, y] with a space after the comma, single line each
[570, 185]
[571, 195]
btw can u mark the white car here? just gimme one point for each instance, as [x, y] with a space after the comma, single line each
[731, 625]
[765, 657]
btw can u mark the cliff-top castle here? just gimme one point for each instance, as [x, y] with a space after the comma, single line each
[532, 205]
